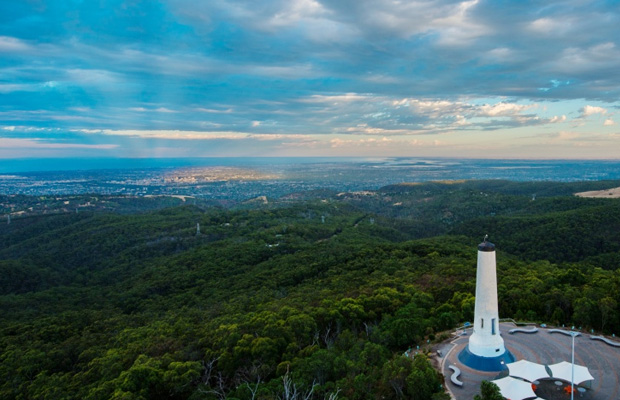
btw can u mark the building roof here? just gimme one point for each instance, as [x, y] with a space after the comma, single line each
[530, 371]
[486, 246]
[514, 389]
[563, 371]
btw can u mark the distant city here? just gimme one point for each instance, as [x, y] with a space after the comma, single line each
[242, 179]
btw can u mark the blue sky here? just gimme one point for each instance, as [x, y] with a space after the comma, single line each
[176, 78]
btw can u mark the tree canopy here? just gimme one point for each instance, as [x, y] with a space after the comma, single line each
[314, 298]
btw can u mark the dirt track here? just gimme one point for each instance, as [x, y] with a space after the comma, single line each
[607, 193]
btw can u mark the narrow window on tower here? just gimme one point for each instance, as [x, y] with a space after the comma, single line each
[493, 326]
[481, 323]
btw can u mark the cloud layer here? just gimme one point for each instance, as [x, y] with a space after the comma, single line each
[306, 77]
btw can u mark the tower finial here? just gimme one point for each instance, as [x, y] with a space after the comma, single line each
[486, 245]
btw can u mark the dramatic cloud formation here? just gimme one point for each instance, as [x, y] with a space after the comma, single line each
[472, 78]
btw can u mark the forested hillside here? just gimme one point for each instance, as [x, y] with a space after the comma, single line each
[316, 297]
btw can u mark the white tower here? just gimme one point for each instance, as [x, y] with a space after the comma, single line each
[485, 340]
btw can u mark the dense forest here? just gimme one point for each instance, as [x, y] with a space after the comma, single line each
[314, 296]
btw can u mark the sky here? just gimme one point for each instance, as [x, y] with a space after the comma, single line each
[240, 78]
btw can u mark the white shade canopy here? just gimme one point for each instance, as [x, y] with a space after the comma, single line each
[515, 389]
[530, 371]
[562, 370]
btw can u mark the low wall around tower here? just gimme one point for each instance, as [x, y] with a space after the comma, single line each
[485, 363]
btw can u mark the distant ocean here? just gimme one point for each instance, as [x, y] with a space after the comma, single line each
[398, 169]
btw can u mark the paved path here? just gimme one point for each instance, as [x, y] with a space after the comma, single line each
[602, 360]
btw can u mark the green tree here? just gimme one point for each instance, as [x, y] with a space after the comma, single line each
[608, 307]
[403, 378]
[489, 391]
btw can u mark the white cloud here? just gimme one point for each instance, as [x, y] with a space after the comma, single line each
[175, 134]
[195, 135]
[18, 87]
[459, 113]
[450, 22]
[365, 142]
[165, 110]
[364, 129]
[92, 76]
[281, 71]
[381, 143]
[460, 120]
[459, 29]
[592, 110]
[500, 55]
[214, 111]
[381, 78]
[504, 109]
[10, 44]
[557, 119]
[277, 136]
[381, 115]
[294, 11]
[434, 107]
[609, 122]
[335, 99]
[23, 128]
[575, 60]
[13, 143]
[565, 135]
[551, 26]
[80, 109]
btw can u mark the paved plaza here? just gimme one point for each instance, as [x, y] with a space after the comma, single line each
[544, 348]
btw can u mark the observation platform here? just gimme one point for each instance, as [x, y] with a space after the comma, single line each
[602, 360]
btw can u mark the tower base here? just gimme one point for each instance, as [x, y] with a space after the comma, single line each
[485, 363]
